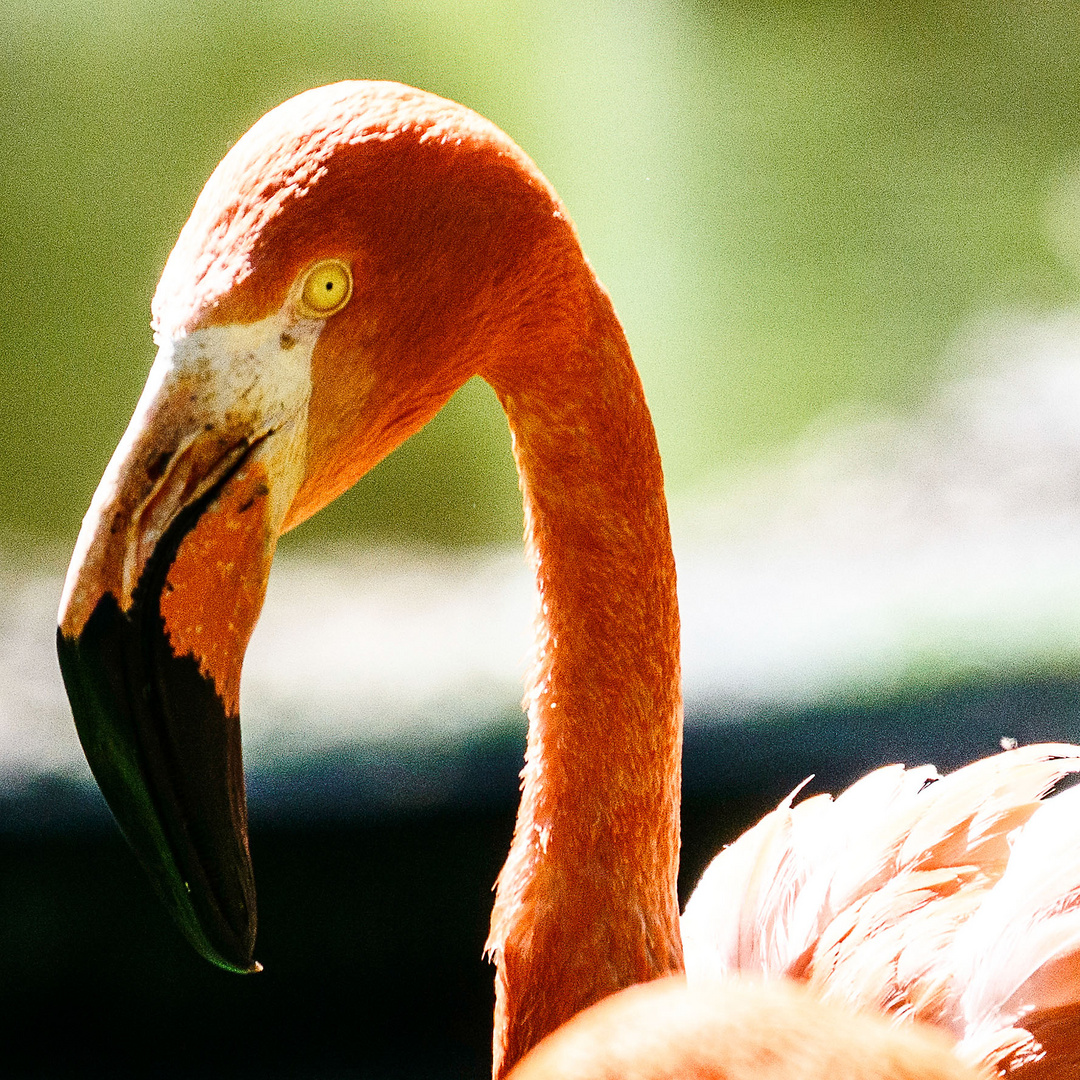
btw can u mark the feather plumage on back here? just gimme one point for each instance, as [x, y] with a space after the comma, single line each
[952, 900]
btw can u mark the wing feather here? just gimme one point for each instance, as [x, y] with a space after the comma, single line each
[951, 899]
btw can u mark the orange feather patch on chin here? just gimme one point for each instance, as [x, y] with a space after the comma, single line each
[215, 587]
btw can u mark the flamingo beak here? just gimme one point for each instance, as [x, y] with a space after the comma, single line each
[163, 591]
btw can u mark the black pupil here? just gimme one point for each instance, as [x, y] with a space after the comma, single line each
[329, 286]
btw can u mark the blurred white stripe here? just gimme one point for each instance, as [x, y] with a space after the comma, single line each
[881, 552]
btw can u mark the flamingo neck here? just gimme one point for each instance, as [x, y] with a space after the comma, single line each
[586, 903]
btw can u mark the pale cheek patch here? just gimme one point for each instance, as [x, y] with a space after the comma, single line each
[251, 381]
[251, 376]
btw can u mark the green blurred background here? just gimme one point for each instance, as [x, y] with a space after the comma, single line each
[795, 206]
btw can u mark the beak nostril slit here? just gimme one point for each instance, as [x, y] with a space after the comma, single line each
[156, 469]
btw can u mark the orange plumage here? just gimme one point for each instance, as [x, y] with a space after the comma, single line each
[463, 262]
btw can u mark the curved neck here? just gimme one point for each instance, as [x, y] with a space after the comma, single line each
[586, 903]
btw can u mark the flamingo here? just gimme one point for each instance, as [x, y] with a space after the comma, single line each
[358, 255]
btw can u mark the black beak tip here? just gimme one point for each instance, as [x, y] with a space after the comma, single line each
[166, 756]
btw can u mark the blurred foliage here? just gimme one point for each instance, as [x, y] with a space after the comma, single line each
[795, 205]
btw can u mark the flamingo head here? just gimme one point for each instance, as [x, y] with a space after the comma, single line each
[335, 284]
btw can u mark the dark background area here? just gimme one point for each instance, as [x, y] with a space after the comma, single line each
[372, 920]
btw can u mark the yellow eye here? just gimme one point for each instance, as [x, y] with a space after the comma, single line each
[327, 288]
